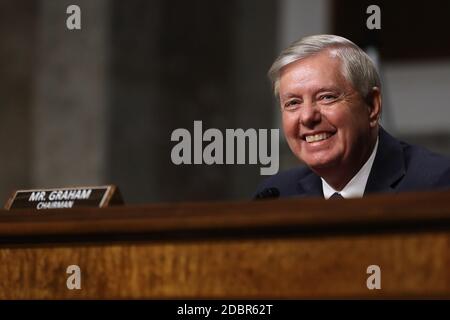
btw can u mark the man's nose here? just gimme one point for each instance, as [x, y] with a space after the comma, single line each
[310, 115]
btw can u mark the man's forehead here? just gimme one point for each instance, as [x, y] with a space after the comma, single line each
[291, 85]
[316, 72]
[295, 91]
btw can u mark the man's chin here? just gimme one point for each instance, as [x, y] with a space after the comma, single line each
[318, 166]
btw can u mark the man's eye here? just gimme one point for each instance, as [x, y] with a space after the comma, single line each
[291, 104]
[327, 97]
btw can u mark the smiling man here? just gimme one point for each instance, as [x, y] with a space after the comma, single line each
[330, 98]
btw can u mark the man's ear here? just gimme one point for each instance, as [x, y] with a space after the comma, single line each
[375, 105]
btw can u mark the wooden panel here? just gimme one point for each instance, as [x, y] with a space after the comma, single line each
[230, 219]
[412, 265]
[292, 248]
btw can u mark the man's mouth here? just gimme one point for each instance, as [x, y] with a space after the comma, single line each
[317, 137]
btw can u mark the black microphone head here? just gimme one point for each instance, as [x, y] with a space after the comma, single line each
[268, 193]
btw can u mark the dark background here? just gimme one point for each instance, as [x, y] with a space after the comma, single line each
[98, 105]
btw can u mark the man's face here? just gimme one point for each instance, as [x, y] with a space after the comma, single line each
[327, 123]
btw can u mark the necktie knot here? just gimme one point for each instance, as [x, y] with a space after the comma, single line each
[336, 195]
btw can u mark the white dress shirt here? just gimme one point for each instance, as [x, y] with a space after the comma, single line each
[356, 186]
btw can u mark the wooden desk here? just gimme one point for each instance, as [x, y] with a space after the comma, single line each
[268, 249]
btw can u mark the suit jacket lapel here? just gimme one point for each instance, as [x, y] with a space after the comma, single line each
[388, 167]
[387, 170]
[310, 185]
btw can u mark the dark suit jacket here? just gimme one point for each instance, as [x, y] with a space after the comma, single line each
[397, 167]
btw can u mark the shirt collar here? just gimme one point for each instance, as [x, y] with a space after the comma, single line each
[356, 186]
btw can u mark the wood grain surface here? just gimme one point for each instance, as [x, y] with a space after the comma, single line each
[269, 249]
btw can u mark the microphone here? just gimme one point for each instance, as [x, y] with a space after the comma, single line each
[268, 193]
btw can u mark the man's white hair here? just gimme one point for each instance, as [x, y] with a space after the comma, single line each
[357, 67]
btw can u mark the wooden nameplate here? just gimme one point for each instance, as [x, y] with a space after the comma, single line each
[59, 198]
